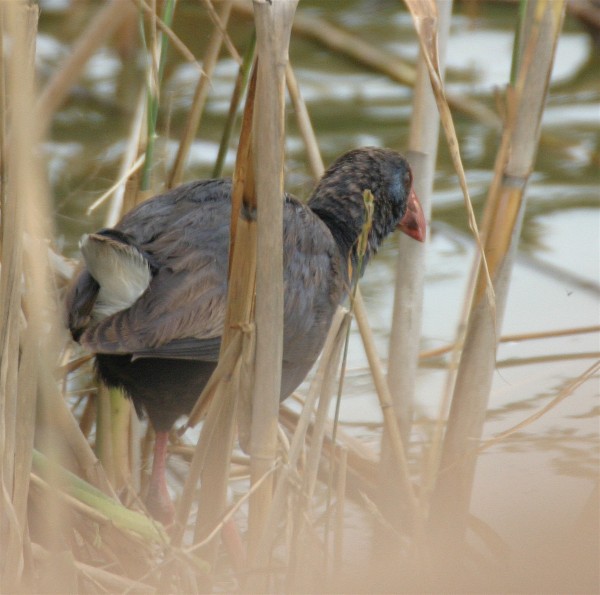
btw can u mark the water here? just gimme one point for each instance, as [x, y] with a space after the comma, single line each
[541, 476]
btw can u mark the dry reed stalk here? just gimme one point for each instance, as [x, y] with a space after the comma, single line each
[328, 363]
[159, 24]
[320, 425]
[361, 458]
[121, 181]
[424, 15]
[408, 295]
[241, 83]
[219, 429]
[516, 338]
[341, 42]
[406, 495]
[40, 342]
[322, 387]
[219, 397]
[103, 580]
[130, 165]
[307, 132]
[410, 262]
[18, 373]
[230, 513]
[106, 21]
[273, 22]
[220, 407]
[12, 261]
[340, 492]
[542, 359]
[502, 222]
[3, 128]
[200, 95]
[222, 26]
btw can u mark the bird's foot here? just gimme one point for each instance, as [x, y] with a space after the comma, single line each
[160, 507]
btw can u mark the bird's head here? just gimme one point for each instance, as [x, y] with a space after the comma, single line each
[339, 197]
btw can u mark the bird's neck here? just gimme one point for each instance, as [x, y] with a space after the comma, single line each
[343, 216]
[345, 234]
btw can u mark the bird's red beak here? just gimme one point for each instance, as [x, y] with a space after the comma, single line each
[413, 223]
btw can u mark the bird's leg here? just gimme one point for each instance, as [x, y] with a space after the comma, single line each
[158, 501]
[234, 544]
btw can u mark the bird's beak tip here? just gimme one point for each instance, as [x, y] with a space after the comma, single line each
[413, 223]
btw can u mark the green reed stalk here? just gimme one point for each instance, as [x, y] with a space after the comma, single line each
[153, 91]
[124, 518]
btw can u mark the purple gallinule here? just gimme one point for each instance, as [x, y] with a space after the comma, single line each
[150, 300]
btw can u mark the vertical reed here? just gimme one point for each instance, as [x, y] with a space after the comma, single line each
[200, 94]
[502, 225]
[106, 21]
[273, 28]
[410, 262]
[16, 79]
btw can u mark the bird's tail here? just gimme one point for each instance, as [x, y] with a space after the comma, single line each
[121, 270]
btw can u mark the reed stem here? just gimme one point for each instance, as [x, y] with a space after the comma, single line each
[502, 225]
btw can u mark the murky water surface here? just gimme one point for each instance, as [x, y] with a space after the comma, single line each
[542, 475]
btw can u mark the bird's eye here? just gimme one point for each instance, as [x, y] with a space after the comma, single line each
[408, 179]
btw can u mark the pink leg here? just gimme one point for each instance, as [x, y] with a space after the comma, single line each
[233, 542]
[158, 500]
[159, 505]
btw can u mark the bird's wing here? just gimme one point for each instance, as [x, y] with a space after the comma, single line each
[191, 349]
[181, 314]
[185, 236]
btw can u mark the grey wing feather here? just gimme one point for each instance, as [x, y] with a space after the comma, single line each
[186, 236]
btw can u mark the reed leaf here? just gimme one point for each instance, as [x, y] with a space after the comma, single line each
[122, 517]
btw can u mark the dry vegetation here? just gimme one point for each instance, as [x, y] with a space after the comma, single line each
[72, 519]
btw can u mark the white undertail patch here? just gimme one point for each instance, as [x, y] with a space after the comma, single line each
[121, 270]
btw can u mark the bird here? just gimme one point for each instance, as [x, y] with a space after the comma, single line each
[149, 299]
